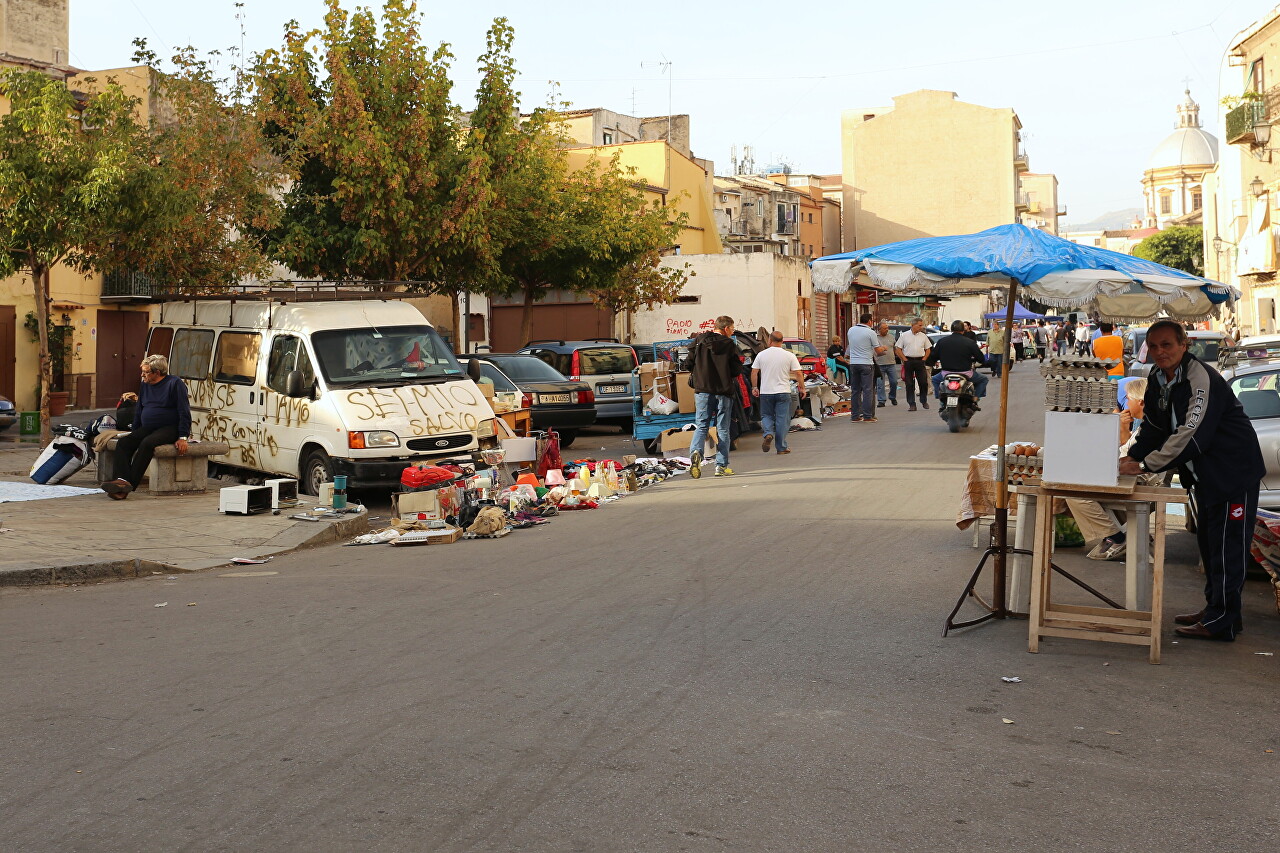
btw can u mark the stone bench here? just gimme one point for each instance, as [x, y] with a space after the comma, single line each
[170, 473]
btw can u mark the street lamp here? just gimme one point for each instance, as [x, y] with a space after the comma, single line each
[1256, 187]
[1261, 130]
[1218, 243]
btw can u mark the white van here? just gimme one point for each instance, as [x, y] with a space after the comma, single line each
[314, 389]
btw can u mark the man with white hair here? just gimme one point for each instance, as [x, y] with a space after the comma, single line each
[163, 416]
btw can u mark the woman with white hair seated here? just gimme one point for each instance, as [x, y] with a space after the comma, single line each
[163, 416]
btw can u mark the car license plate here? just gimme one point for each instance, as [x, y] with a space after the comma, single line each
[948, 402]
[555, 398]
[611, 389]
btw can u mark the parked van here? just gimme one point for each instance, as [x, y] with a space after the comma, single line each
[314, 389]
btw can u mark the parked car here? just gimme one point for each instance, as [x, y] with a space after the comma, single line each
[1204, 345]
[603, 363]
[554, 402]
[811, 361]
[1257, 385]
[8, 413]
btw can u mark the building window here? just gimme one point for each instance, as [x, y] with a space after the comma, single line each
[608, 137]
[688, 300]
[1197, 199]
[1166, 203]
[868, 116]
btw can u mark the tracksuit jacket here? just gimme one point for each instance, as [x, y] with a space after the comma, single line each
[1213, 434]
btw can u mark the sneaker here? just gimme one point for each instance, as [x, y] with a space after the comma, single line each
[724, 471]
[695, 464]
[870, 420]
[767, 444]
[780, 452]
[857, 420]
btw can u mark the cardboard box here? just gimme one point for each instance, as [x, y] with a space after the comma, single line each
[486, 388]
[412, 503]
[840, 407]
[444, 536]
[684, 392]
[678, 442]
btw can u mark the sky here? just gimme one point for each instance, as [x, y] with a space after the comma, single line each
[1094, 82]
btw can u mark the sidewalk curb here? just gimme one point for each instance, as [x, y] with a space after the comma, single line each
[68, 571]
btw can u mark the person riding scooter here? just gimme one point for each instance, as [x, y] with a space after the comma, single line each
[958, 353]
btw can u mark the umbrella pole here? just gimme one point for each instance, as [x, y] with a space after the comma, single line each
[998, 608]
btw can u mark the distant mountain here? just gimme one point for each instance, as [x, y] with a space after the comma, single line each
[1113, 221]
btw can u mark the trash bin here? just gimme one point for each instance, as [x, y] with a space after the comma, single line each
[29, 423]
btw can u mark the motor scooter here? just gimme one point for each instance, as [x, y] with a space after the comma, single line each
[958, 403]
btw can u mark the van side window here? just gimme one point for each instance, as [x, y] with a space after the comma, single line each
[288, 353]
[237, 358]
[191, 351]
[160, 342]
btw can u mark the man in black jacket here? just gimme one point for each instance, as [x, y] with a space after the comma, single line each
[1195, 424]
[958, 353]
[715, 365]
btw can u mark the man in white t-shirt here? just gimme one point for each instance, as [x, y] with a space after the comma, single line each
[772, 372]
[913, 348]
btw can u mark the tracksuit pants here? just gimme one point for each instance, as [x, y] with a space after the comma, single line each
[1224, 531]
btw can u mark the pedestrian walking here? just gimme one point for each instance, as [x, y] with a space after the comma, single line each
[1018, 337]
[995, 349]
[1083, 338]
[714, 367]
[772, 374]
[1194, 423]
[1041, 334]
[969, 332]
[1110, 346]
[913, 349]
[1060, 339]
[888, 362]
[862, 347]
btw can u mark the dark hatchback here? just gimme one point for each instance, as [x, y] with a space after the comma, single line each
[564, 405]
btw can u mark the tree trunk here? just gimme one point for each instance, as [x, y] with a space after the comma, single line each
[40, 275]
[526, 319]
[459, 345]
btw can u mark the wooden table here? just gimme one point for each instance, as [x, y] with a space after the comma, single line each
[1129, 625]
[520, 421]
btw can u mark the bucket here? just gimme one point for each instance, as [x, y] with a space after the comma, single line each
[29, 423]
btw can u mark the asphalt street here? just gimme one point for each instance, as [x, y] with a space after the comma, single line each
[739, 664]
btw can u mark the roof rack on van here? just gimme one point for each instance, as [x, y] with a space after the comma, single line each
[320, 290]
[1232, 356]
[558, 343]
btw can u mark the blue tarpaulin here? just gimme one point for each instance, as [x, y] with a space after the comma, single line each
[1020, 312]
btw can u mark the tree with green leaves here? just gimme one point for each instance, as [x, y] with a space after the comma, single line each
[381, 188]
[66, 163]
[1178, 246]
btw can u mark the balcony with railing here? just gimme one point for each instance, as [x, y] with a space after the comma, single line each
[129, 286]
[1020, 161]
[1242, 120]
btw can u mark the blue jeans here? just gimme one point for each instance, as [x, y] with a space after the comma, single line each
[775, 417]
[979, 384]
[891, 371]
[997, 364]
[862, 385]
[709, 408]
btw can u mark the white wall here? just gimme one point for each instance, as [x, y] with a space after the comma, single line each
[969, 308]
[757, 289]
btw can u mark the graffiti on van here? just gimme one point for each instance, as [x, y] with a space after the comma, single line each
[430, 409]
[287, 411]
[205, 394]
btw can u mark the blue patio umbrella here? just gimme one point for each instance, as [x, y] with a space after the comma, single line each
[1054, 272]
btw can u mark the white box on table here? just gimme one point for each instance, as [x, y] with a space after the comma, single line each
[1081, 448]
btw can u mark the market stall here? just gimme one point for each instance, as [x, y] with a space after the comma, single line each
[1054, 272]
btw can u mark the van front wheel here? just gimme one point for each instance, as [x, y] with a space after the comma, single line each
[317, 468]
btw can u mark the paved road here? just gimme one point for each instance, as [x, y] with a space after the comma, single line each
[743, 664]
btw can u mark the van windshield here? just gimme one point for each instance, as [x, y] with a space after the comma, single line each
[385, 355]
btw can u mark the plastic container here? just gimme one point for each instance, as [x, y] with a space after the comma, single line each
[340, 491]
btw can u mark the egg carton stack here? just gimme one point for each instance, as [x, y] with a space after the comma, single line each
[1079, 384]
[1023, 464]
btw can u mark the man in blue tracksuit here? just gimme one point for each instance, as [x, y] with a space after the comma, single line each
[1194, 423]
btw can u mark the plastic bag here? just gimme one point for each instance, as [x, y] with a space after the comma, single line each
[1066, 533]
[660, 404]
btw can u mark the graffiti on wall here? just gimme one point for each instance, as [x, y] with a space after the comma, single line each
[689, 328]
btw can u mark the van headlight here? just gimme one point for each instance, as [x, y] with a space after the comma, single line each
[373, 438]
[486, 429]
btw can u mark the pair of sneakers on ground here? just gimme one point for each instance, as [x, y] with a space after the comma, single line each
[695, 467]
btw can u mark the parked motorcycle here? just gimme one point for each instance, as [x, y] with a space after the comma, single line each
[958, 403]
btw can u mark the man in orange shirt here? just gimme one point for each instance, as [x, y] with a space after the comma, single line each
[1110, 345]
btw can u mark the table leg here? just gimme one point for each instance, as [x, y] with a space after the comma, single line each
[1020, 564]
[1157, 584]
[1039, 573]
[1137, 572]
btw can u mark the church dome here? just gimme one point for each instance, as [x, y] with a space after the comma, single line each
[1189, 145]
